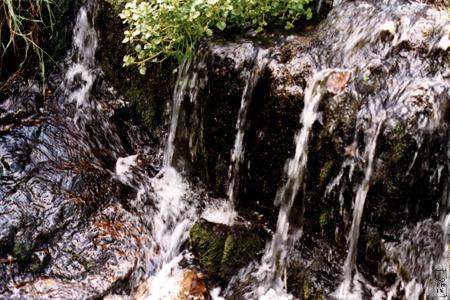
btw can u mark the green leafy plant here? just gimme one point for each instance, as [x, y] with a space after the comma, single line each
[158, 29]
[20, 25]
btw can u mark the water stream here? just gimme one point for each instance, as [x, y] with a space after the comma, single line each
[272, 271]
[251, 78]
[109, 216]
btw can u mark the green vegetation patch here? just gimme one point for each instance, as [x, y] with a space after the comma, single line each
[158, 29]
[240, 249]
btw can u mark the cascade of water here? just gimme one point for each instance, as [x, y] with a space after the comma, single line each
[237, 157]
[273, 267]
[173, 212]
[188, 84]
[378, 115]
[82, 73]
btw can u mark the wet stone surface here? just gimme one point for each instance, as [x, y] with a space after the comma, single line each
[65, 222]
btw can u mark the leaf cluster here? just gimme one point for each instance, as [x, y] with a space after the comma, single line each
[158, 29]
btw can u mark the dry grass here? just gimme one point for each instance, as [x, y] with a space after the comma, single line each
[21, 23]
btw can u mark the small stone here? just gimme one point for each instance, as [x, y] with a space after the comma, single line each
[338, 81]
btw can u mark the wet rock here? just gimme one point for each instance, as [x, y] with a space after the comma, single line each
[149, 94]
[240, 248]
[207, 240]
[312, 270]
[65, 222]
[408, 260]
[90, 260]
[223, 250]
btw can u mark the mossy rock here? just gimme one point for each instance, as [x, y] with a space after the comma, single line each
[22, 250]
[223, 250]
[240, 249]
[38, 263]
[207, 242]
[147, 95]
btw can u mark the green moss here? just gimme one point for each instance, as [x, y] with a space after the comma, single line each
[240, 249]
[324, 220]
[398, 144]
[207, 241]
[325, 171]
[22, 250]
[148, 110]
[309, 292]
[223, 250]
[221, 175]
[37, 264]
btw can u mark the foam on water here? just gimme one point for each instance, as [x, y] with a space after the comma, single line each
[165, 284]
[221, 211]
[174, 214]
[123, 168]
[81, 75]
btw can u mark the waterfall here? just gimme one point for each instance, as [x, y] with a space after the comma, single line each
[82, 73]
[358, 208]
[251, 78]
[108, 216]
[271, 273]
[183, 128]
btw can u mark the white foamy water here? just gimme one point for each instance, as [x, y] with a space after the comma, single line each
[221, 211]
[82, 73]
[173, 216]
[165, 284]
[123, 169]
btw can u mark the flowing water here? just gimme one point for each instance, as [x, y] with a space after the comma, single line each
[272, 271]
[360, 198]
[109, 216]
[251, 78]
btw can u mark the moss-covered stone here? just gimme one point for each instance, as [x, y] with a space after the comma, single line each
[223, 250]
[22, 250]
[302, 286]
[240, 248]
[149, 94]
[207, 241]
[38, 262]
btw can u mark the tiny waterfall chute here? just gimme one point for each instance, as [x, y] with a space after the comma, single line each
[84, 69]
[270, 275]
[358, 209]
[251, 78]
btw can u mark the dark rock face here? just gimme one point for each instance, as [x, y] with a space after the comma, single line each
[149, 94]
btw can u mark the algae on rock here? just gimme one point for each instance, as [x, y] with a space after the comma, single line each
[223, 250]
